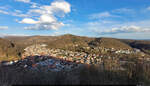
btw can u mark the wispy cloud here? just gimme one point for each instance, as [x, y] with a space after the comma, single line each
[4, 12]
[3, 27]
[124, 11]
[102, 15]
[25, 1]
[3, 7]
[116, 27]
[17, 13]
[115, 13]
[148, 8]
[4, 35]
[123, 29]
[34, 5]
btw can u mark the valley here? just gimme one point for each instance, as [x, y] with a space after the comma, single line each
[69, 54]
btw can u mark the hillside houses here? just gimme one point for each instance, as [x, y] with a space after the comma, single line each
[79, 57]
[41, 56]
[58, 59]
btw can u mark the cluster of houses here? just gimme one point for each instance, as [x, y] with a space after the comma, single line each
[57, 65]
[118, 51]
[37, 49]
[128, 51]
[78, 57]
[48, 62]
[57, 59]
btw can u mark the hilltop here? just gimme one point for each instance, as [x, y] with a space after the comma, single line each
[109, 43]
[68, 41]
[17, 44]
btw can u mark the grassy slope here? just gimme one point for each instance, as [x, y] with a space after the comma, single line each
[8, 50]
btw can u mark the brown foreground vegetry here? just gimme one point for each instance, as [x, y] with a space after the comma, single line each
[92, 75]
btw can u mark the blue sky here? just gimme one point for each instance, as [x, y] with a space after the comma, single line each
[94, 18]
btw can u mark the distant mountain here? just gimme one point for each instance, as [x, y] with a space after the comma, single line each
[64, 41]
[77, 43]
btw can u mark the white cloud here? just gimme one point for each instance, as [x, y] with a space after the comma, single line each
[102, 15]
[34, 5]
[20, 15]
[123, 10]
[42, 16]
[47, 16]
[17, 13]
[123, 29]
[45, 22]
[55, 8]
[62, 6]
[47, 19]
[4, 35]
[106, 25]
[112, 14]
[148, 8]
[3, 27]
[45, 26]
[25, 1]
[28, 21]
[114, 27]
[4, 12]
[3, 7]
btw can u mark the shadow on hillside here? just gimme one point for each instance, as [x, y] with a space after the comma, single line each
[87, 75]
